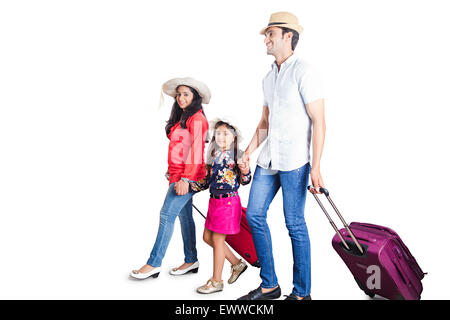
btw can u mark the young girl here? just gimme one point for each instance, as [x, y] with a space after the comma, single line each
[224, 175]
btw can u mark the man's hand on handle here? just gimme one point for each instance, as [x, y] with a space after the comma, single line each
[316, 181]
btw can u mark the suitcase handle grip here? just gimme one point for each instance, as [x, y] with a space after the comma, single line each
[350, 232]
[323, 190]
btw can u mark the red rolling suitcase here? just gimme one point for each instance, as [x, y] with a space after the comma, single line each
[376, 256]
[242, 242]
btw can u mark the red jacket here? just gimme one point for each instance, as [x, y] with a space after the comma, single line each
[186, 149]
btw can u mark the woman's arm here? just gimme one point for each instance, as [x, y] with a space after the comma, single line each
[193, 165]
[198, 129]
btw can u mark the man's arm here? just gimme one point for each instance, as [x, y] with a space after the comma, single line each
[260, 135]
[316, 112]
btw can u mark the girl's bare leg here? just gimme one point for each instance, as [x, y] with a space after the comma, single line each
[219, 246]
[207, 237]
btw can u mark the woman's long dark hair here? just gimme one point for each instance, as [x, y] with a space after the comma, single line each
[178, 115]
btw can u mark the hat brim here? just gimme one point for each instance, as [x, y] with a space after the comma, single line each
[170, 88]
[295, 27]
[231, 121]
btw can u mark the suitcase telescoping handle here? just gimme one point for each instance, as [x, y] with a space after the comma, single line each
[198, 211]
[327, 195]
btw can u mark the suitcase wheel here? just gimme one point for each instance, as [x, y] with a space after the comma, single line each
[257, 264]
[363, 288]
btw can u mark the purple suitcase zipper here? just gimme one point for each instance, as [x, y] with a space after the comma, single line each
[378, 259]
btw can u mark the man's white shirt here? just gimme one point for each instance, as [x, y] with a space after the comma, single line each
[286, 94]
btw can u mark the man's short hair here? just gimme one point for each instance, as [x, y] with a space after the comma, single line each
[294, 36]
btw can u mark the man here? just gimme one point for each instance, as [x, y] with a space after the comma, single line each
[293, 102]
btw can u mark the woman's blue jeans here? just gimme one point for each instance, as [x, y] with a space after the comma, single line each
[265, 186]
[175, 206]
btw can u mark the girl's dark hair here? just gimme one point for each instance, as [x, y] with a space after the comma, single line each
[215, 147]
[178, 115]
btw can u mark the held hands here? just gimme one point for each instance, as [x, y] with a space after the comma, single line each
[181, 187]
[244, 163]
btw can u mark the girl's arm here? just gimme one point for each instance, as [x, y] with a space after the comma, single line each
[203, 184]
[245, 178]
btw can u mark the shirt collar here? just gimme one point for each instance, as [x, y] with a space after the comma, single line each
[286, 63]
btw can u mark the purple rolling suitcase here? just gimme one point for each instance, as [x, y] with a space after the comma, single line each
[376, 256]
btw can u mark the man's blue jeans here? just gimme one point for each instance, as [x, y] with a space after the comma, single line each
[265, 186]
[175, 206]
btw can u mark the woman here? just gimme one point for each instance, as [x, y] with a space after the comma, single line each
[186, 129]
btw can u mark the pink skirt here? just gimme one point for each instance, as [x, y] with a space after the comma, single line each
[224, 215]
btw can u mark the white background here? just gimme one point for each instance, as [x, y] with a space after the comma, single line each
[83, 150]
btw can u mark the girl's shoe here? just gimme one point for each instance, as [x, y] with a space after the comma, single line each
[211, 286]
[141, 276]
[237, 270]
[178, 272]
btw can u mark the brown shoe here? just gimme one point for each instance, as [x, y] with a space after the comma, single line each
[237, 270]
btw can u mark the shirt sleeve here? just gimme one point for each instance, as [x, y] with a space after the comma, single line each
[197, 186]
[198, 128]
[309, 85]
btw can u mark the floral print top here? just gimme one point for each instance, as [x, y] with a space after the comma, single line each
[221, 177]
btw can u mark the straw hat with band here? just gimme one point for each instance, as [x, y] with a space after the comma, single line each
[170, 88]
[283, 20]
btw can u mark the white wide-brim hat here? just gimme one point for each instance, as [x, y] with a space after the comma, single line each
[170, 87]
[229, 120]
